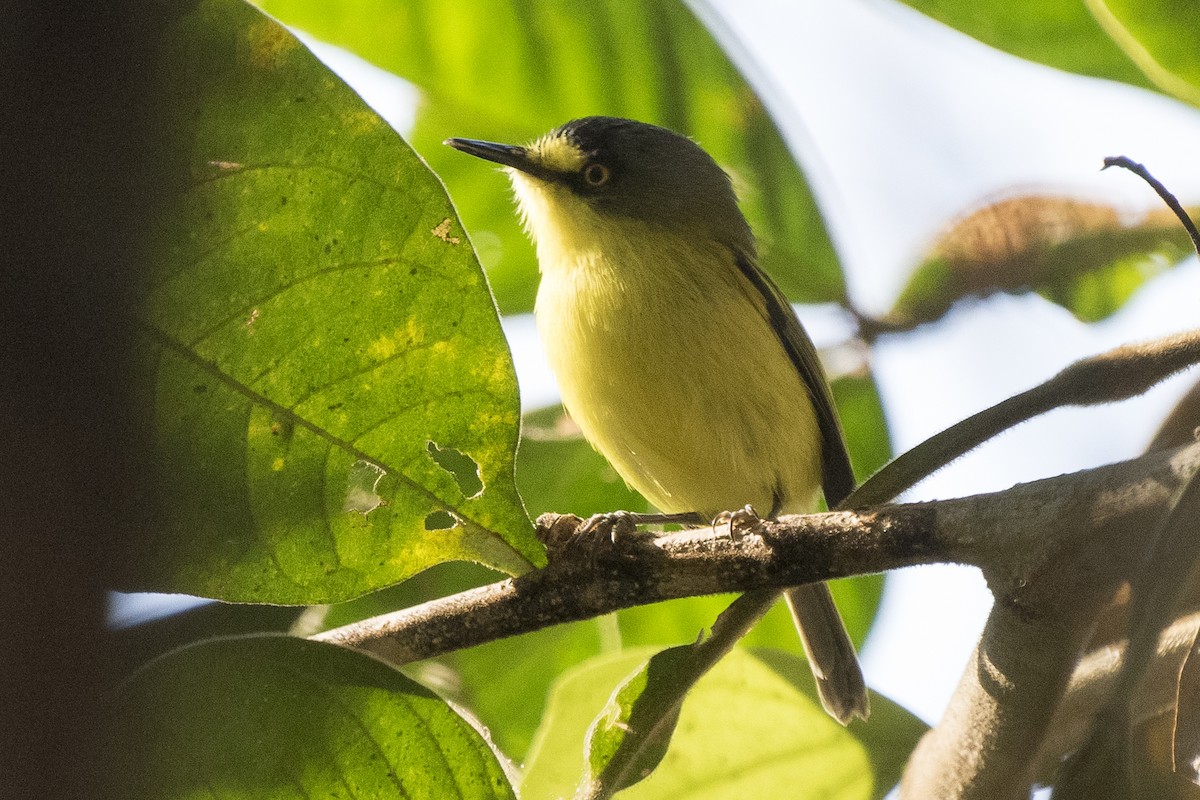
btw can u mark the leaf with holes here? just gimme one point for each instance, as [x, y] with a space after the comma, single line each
[280, 717]
[1087, 257]
[334, 405]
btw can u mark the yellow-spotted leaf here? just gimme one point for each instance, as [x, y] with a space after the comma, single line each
[334, 406]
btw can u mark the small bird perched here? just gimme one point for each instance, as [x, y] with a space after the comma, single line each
[681, 361]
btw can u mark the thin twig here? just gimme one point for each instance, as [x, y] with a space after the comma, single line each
[1125, 162]
[1118, 374]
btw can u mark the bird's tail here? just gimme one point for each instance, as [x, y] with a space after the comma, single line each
[830, 652]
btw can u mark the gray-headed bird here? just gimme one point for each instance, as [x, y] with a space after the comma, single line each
[681, 361]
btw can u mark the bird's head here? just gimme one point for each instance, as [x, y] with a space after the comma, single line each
[599, 173]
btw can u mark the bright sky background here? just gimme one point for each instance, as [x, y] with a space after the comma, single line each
[901, 123]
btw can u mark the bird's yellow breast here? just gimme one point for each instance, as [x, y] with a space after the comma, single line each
[666, 358]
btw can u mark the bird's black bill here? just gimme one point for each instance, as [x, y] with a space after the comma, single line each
[510, 155]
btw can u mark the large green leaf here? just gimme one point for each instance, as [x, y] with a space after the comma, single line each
[138, 643]
[509, 700]
[335, 408]
[279, 717]
[1162, 37]
[506, 683]
[889, 735]
[1062, 33]
[630, 737]
[510, 70]
[746, 730]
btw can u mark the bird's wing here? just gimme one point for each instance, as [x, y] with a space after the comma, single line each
[837, 476]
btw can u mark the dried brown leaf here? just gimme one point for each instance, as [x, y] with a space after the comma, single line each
[1086, 256]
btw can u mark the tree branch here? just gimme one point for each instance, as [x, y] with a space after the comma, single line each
[1012, 534]
[987, 744]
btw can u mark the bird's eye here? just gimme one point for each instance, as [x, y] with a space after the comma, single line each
[596, 175]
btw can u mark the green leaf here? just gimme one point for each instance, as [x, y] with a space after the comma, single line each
[627, 714]
[335, 408]
[508, 701]
[279, 717]
[139, 643]
[746, 730]
[555, 765]
[1161, 36]
[493, 70]
[890, 735]
[1085, 256]
[557, 470]
[1059, 34]
[506, 683]
[863, 422]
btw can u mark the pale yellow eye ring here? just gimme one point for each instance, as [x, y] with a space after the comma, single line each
[596, 175]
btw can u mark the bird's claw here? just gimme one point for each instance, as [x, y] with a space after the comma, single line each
[614, 525]
[741, 522]
[601, 534]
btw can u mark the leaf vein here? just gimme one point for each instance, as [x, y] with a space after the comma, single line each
[181, 350]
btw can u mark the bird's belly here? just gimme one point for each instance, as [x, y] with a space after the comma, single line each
[696, 403]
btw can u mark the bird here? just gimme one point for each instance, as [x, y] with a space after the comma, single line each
[678, 357]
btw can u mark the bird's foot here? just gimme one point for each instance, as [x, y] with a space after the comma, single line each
[612, 526]
[602, 535]
[741, 522]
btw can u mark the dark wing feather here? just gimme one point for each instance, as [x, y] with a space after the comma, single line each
[836, 473]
